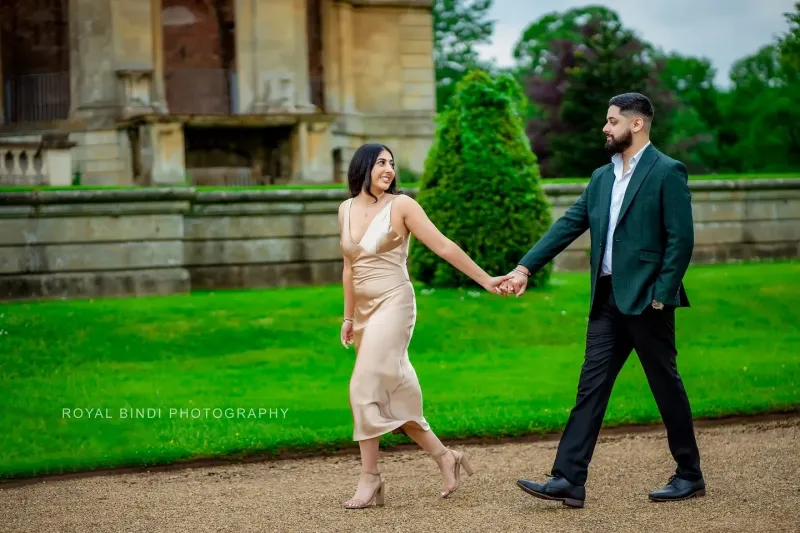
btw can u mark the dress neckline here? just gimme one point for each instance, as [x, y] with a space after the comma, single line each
[369, 226]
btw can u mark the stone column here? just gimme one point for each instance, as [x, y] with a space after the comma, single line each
[133, 37]
[330, 54]
[163, 153]
[246, 52]
[300, 166]
[272, 56]
[114, 46]
[347, 85]
[159, 91]
[2, 87]
[301, 77]
[93, 83]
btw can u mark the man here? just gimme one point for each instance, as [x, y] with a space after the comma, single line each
[638, 210]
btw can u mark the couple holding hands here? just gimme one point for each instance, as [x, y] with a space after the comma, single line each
[638, 211]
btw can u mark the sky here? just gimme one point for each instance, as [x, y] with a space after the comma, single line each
[720, 30]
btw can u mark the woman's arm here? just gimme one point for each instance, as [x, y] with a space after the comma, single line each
[347, 274]
[347, 284]
[422, 228]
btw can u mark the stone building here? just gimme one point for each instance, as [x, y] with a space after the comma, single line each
[158, 92]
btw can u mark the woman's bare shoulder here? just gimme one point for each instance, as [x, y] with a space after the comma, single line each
[404, 201]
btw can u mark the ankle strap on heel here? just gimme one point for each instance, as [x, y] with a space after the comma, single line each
[441, 454]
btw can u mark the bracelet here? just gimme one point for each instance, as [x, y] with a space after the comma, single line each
[348, 320]
[523, 273]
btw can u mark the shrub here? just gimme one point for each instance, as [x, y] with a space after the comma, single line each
[407, 177]
[481, 184]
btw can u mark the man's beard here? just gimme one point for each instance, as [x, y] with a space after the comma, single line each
[617, 146]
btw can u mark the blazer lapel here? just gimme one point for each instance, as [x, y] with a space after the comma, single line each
[642, 169]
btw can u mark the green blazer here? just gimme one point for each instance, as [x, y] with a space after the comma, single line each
[653, 240]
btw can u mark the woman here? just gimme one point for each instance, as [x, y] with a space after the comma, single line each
[379, 314]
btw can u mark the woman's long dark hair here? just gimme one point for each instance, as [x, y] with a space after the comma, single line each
[359, 174]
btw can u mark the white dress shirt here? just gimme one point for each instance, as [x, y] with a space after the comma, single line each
[621, 181]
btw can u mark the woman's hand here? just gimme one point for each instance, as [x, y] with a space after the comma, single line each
[347, 333]
[495, 284]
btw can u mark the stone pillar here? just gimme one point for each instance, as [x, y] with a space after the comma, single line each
[57, 152]
[330, 54]
[159, 91]
[320, 154]
[162, 153]
[93, 83]
[272, 56]
[2, 87]
[300, 164]
[246, 53]
[347, 85]
[133, 37]
[132, 23]
[301, 77]
[114, 47]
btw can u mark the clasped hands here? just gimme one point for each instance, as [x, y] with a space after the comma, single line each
[515, 282]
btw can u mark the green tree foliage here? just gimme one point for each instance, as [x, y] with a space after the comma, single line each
[481, 184]
[790, 46]
[761, 131]
[571, 62]
[697, 116]
[537, 51]
[592, 58]
[761, 127]
[458, 27]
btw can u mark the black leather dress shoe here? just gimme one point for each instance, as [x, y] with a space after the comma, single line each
[556, 488]
[678, 489]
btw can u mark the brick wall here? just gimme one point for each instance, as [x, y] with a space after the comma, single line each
[35, 36]
[198, 50]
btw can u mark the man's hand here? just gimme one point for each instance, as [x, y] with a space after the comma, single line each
[495, 284]
[517, 282]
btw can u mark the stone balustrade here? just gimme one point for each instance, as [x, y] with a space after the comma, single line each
[47, 162]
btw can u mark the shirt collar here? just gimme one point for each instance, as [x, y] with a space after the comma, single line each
[617, 158]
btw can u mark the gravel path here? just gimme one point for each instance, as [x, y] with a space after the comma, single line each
[752, 472]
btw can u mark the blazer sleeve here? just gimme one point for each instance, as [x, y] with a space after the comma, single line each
[563, 232]
[679, 227]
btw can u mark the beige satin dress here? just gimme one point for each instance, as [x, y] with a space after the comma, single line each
[384, 390]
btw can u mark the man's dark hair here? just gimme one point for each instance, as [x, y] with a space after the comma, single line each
[634, 104]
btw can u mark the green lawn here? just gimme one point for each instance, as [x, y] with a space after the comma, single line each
[404, 184]
[489, 366]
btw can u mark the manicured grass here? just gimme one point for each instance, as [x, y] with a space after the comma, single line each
[488, 366]
[405, 184]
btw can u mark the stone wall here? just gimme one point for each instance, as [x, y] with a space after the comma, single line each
[125, 68]
[380, 80]
[733, 220]
[92, 243]
[162, 241]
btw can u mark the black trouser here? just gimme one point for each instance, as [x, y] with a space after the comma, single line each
[610, 337]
